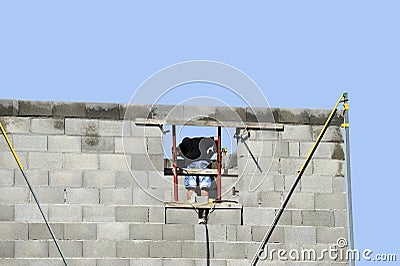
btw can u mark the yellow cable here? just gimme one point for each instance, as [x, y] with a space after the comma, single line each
[320, 134]
[11, 147]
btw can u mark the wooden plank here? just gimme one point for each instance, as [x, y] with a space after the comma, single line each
[211, 123]
[187, 205]
[202, 172]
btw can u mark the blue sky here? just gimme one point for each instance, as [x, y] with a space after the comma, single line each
[300, 53]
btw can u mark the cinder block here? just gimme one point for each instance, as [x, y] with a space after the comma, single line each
[132, 214]
[36, 177]
[243, 233]
[248, 199]
[216, 232]
[19, 125]
[133, 111]
[81, 161]
[114, 262]
[8, 107]
[12, 195]
[332, 134]
[157, 179]
[339, 184]
[64, 143]
[30, 143]
[70, 249]
[31, 249]
[114, 161]
[133, 249]
[39, 231]
[30, 212]
[98, 213]
[258, 233]
[196, 249]
[83, 195]
[297, 132]
[7, 178]
[300, 235]
[99, 178]
[165, 249]
[142, 162]
[125, 179]
[229, 250]
[50, 194]
[319, 117]
[156, 214]
[154, 145]
[148, 197]
[322, 184]
[7, 160]
[181, 216]
[258, 216]
[330, 235]
[69, 109]
[286, 218]
[113, 128]
[116, 196]
[131, 145]
[7, 249]
[294, 149]
[318, 218]
[80, 231]
[281, 149]
[270, 199]
[201, 262]
[102, 110]
[7, 213]
[34, 108]
[225, 216]
[289, 181]
[330, 201]
[113, 231]
[340, 218]
[98, 144]
[301, 200]
[47, 126]
[178, 232]
[13, 231]
[291, 166]
[65, 213]
[146, 262]
[81, 127]
[328, 167]
[65, 178]
[146, 231]
[99, 249]
[294, 116]
[145, 131]
[297, 217]
[45, 161]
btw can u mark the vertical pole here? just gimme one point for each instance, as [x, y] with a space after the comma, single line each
[174, 160]
[219, 161]
[348, 175]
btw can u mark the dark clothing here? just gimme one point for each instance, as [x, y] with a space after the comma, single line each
[196, 149]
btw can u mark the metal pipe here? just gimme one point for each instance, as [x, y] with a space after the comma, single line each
[219, 162]
[348, 176]
[33, 193]
[174, 159]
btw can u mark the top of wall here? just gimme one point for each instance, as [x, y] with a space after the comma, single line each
[115, 111]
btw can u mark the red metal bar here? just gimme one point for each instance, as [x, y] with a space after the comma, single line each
[219, 162]
[174, 160]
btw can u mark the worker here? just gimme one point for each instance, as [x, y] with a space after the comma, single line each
[197, 153]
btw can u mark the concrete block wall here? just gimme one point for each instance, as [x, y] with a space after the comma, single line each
[80, 158]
